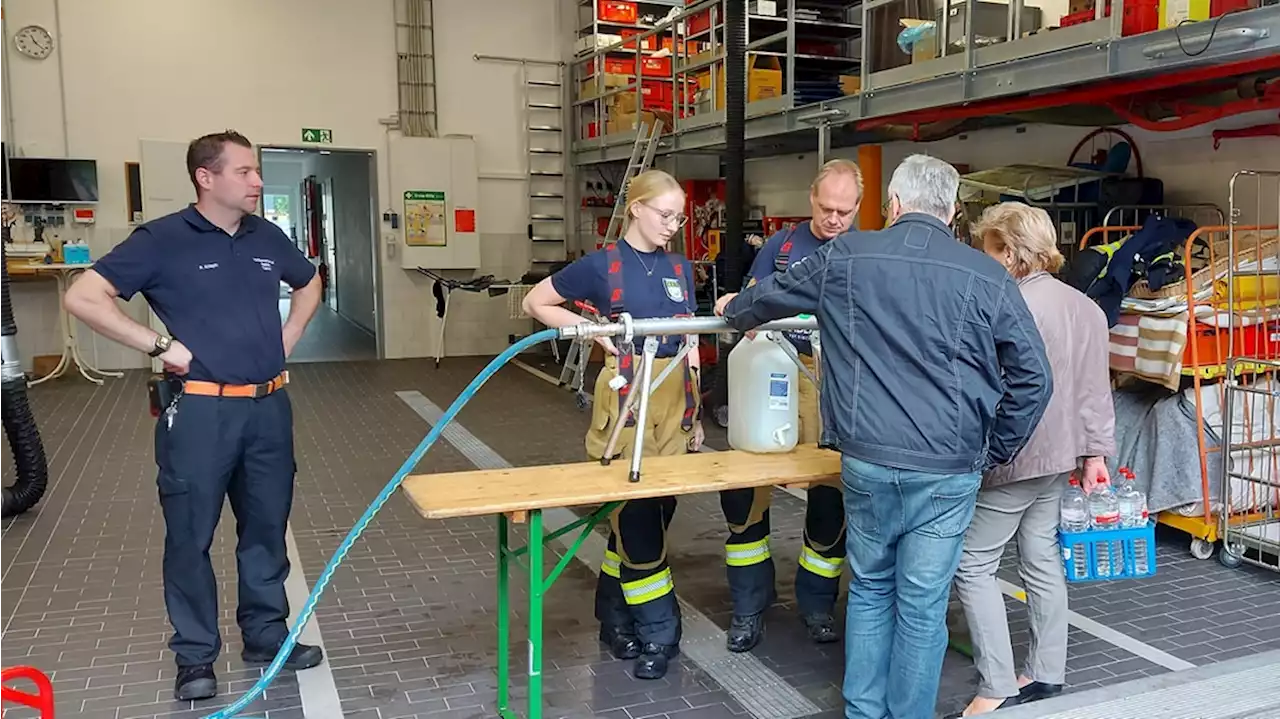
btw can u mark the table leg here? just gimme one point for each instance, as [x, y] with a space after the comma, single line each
[504, 617]
[537, 587]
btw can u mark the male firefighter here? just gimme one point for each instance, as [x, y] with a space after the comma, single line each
[834, 197]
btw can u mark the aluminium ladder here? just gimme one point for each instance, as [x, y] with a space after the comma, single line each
[544, 139]
[642, 153]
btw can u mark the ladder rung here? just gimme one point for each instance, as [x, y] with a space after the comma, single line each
[546, 195]
[545, 83]
[543, 128]
[544, 151]
[547, 218]
[544, 106]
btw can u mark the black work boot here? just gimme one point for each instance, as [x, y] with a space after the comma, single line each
[195, 682]
[744, 632]
[303, 656]
[821, 627]
[622, 643]
[652, 662]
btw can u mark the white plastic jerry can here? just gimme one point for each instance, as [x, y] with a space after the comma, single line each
[764, 407]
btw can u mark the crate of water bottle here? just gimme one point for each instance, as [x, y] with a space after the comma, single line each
[1106, 533]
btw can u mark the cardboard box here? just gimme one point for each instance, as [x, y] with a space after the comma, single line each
[764, 79]
[1173, 12]
[763, 7]
[850, 84]
[609, 81]
[1077, 6]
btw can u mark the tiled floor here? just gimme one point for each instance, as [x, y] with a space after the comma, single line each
[330, 337]
[409, 618]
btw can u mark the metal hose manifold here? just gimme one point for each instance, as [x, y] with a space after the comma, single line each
[19, 424]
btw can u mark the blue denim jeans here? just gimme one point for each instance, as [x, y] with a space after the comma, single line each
[905, 535]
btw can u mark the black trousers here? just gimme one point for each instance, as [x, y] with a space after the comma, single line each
[211, 449]
[749, 563]
[634, 591]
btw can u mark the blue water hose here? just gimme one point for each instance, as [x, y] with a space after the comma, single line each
[309, 607]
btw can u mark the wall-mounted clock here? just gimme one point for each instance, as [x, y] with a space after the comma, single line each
[34, 42]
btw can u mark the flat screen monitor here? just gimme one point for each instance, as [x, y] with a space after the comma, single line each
[52, 180]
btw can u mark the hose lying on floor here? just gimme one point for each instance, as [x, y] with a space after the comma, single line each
[309, 607]
[32, 475]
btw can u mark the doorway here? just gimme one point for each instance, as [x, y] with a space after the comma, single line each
[326, 202]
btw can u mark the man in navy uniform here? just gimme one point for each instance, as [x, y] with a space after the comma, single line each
[212, 273]
[834, 197]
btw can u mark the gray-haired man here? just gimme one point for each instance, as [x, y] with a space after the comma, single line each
[933, 370]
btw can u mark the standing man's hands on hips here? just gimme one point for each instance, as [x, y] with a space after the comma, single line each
[176, 359]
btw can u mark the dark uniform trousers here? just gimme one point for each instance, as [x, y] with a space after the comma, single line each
[216, 448]
[748, 562]
[635, 590]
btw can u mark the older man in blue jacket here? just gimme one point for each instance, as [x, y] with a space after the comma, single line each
[932, 371]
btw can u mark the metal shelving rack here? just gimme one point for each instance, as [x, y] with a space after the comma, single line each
[984, 68]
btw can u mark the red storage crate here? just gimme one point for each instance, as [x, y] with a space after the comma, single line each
[656, 66]
[649, 43]
[617, 11]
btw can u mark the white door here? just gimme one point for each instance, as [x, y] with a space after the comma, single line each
[166, 189]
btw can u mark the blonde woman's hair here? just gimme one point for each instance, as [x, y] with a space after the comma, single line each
[648, 185]
[1028, 234]
[837, 167]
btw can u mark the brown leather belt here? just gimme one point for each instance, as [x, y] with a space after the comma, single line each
[249, 391]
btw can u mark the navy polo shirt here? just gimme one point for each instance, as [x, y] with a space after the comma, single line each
[803, 244]
[651, 287]
[217, 294]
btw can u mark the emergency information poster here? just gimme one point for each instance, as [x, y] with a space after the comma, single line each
[424, 219]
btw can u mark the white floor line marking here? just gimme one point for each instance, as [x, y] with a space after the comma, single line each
[316, 687]
[762, 692]
[536, 372]
[1101, 631]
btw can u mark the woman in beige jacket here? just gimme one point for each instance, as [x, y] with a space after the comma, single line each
[1022, 499]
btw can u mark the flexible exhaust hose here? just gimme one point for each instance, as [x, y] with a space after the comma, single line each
[32, 475]
[309, 607]
[735, 89]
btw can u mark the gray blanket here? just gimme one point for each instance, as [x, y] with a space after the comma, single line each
[1156, 438]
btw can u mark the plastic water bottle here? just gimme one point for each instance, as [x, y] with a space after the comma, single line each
[1075, 518]
[763, 404]
[1133, 515]
[1131, 502]
[1104, 515]
[1075, 508]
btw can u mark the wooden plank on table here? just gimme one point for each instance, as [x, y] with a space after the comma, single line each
[520, 489]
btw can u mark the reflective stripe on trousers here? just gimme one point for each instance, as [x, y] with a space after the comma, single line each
[747, 553]
[647, 589]
[612, 564]
[827, 567]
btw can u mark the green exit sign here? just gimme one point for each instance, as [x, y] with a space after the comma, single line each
[315, 134]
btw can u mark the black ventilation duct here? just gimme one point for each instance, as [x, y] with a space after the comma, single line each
[19, 424]
[735, 81]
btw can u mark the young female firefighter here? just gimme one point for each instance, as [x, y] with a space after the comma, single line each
[635, 597]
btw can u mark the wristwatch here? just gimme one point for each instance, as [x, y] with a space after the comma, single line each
[162, 346]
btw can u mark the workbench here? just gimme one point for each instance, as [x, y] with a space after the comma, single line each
[521, 494]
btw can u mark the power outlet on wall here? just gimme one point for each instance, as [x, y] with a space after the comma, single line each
[392, 242]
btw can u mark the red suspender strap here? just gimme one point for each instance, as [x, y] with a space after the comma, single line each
[690, 392]
[626, 354]
[784, 253]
